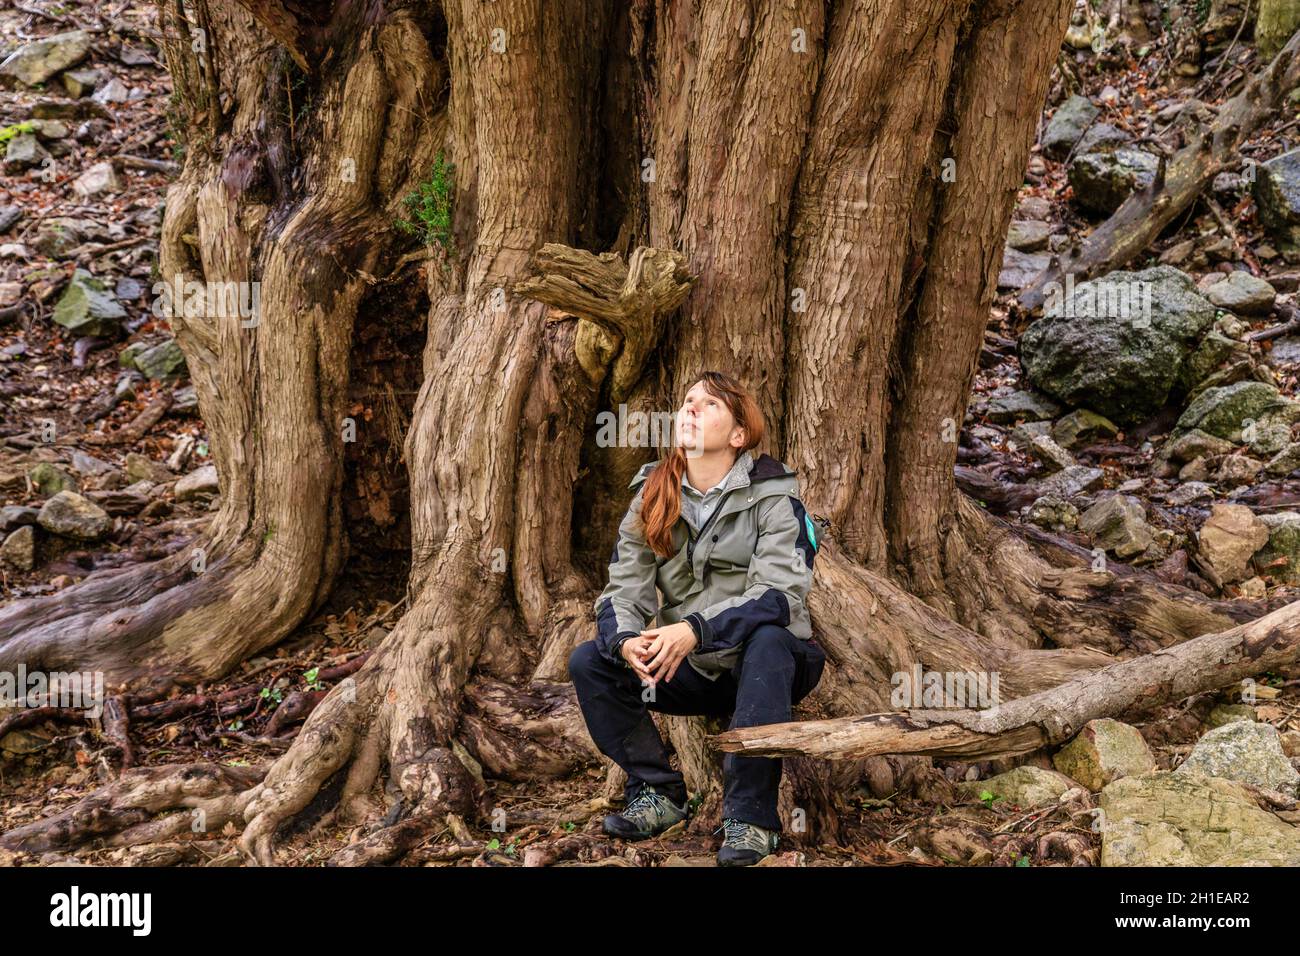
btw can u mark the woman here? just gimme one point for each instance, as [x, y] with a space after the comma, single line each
[726, 539]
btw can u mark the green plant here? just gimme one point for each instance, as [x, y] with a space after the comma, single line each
[429, 207]
[9, 132]
[272, 693]
[988, 797]
[310, 678]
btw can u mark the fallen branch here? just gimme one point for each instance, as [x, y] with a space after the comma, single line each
[1052, 716]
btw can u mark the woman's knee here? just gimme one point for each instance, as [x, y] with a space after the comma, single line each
[584, 659]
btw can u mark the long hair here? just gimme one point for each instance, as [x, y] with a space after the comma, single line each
[661, 504]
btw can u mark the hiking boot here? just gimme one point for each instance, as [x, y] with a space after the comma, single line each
[745, 843]
[647, 814]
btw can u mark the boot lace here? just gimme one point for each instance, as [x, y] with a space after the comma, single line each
[745, 836]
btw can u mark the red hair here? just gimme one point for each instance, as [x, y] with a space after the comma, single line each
[661, 504]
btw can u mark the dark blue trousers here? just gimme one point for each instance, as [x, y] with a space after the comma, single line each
[776, 670]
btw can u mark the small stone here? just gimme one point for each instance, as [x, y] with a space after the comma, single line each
[99, 178]
[1069, 482]
[49, 480]
[1053, 514]
[70, 515]
[1242, 293]
[1028, 235]
[1195, 444]
[1118, 524]
[198, 483]
[1189, 493]
[114, 91]
[1252, 588]
[163, 362]
[1229, 538]
[1025, 786]
[88, 308]
[1222, 714]
[1029, 406]
[23, 152]
[1052, 455]
[1237, 470]
[19, 549]
[1104, 751]
[1082, 427]
[1285, 461]
[81, 83]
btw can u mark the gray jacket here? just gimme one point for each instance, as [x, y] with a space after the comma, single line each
[750, 564]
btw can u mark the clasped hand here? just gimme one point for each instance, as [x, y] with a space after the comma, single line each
[656, 653]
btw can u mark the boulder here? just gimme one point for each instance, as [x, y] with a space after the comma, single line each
[1116, 345]
[87, 307]
[1242, 293]
[1247, 752]
[39, 60]
[1229, 539]
[1067, 125]
[1172, 819]
[1285, 461]
[70, 515]
[1104, 751]
[1103, 180]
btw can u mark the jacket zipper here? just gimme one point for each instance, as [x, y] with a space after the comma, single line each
[691, 541]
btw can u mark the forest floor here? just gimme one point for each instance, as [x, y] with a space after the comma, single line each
[69, 403]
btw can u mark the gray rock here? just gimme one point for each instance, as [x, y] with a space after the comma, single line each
[1102, 137]
[1118, 524]
[1102, 181]
[1028, 235]
[39, 60]
[1118, 344]
[1280, 556]
[1247, 752]
[80, 83]
[19, 549]
[89, 464]
[114, 91]
[1053, 514]
[1193, 444]
[198, 483]
[1069, 482]
[99, 178]
[57, 237]
[1242, 293]
[1052, 455]
[88, 308]
[23, 152]
[15, 516]
[1285, 461]
[1024, 786]
[163, 362]
[1082, 427]
[1225, 411]
[1021, 268]
[70, 515]
[1189, 493]
[1022, 405]
[1034, 207]
[1237, 470]
[1277, 196]
[1067, 125]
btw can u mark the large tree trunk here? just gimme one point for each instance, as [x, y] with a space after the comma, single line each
[810, 195]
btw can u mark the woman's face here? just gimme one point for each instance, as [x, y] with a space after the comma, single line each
[705, 423]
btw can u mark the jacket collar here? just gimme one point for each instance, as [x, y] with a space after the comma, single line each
[765, 467]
